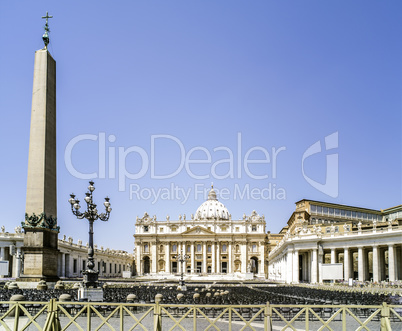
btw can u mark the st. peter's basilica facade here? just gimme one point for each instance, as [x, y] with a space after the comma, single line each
[213, 242]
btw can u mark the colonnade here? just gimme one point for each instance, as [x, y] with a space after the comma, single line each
[362, 263]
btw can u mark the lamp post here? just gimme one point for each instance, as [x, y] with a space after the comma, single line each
[91, 214]
[182, 258]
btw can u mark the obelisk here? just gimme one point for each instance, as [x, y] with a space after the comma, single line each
[40, 226]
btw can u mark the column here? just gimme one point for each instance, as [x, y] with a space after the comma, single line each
[360, 260]
[213, 251]
[19, 259]
[185, 263]
[2, 256]
[167, 254]
[230, 258]
[243, 251]
[79, 265]
[333, 255]
[204, 257]
[154, 258]
[296, 266]
[375, 264]
[138, 259]
[314, 266]
[262, 259]
[320, 263]
[63, 265]
[381, 264]
[391, 262]
[366, 264]
[192, 258]
[346, 271]
[289, 267]
[399, 264]
[218, 258]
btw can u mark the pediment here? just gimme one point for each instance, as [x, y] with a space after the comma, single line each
[198, 230]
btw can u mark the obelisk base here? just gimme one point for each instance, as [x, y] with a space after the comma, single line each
[40, 255]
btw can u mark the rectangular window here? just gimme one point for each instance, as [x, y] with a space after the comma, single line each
[83, 265]
[188, 249]
[146, 228]
[319, 209]
[99, 266]
[110, 268]
[325, 210]
[313, 208]
[209, 248]
[75, 266]
[237, 229]
[161, 230]
[254, 228]
[331, 211]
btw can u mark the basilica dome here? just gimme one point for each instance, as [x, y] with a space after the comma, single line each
[212, 208]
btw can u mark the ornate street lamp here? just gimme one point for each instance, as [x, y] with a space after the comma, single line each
[91, 214]
[181, 258]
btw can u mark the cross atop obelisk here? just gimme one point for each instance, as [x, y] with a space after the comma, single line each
[45, 36]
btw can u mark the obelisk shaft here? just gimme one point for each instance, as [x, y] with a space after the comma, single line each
[41, 185]
[40, 226]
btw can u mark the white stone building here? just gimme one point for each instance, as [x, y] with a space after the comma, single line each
[365, 243]
[215, 243]
[72, 257]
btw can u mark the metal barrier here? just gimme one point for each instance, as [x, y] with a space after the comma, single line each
[57, 316]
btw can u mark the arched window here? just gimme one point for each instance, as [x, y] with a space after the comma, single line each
[161, 249]
[237, 248]
[254, 248]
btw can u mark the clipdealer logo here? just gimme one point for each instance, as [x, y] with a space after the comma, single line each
[237, 163]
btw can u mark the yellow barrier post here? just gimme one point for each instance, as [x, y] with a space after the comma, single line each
[52, 321]
[157, 313]
[268, 317]
[385, 323]
[16, 316]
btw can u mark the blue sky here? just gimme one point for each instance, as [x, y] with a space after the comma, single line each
[278, 76]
